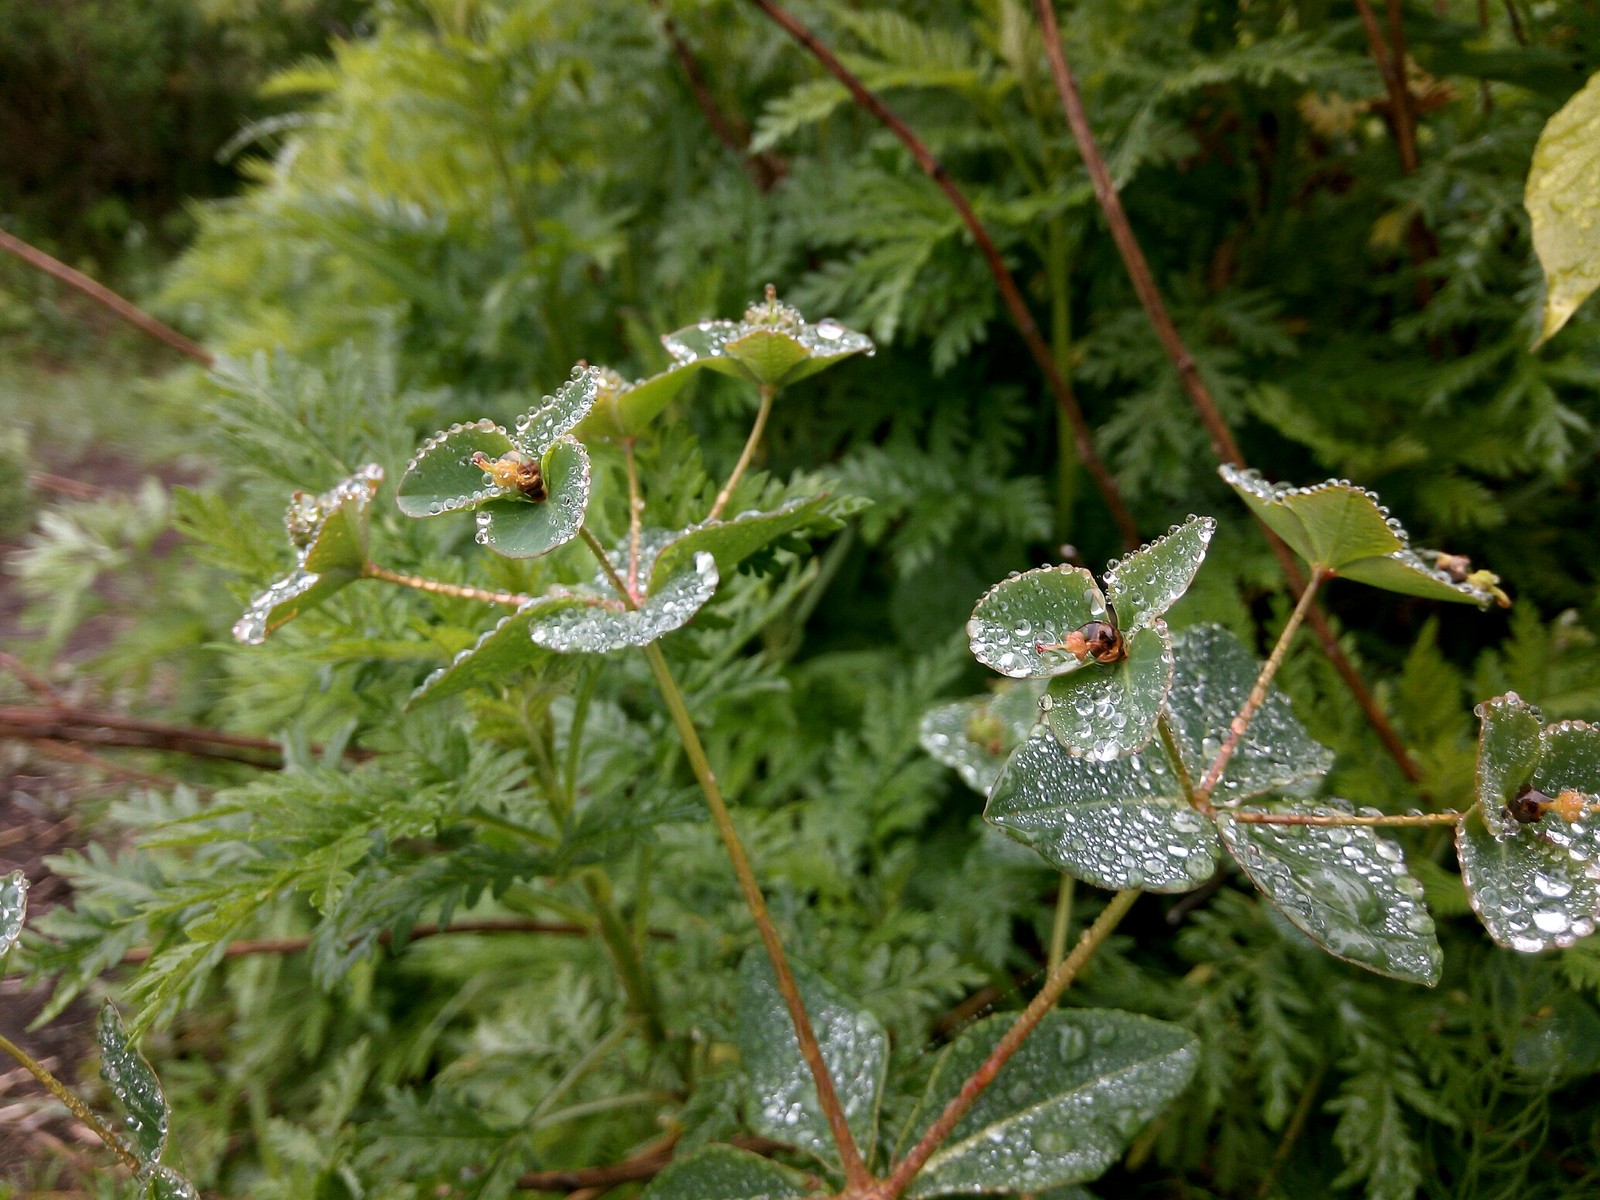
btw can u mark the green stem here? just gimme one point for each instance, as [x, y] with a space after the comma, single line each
[855, 1170]
[79, 1109]
[905, 1170]
[635, 515]
[1258, 693]
[438, 587]
[1062, 923]
[627, 958]
[482, 816]
[768, 392]
[1169, 741]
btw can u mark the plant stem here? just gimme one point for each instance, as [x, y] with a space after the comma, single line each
[627, 958]
[1169, 742]
[635, 515]
[1391, 65]
[79, 1109]
[769, 391]
[1062, 923]
[1004, 281]
[1251, 816]
[1258, 693]
[856, 1174]
[438, 587]
[906, 1169]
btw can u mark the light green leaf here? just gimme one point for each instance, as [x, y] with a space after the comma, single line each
[556, 415]
[13, 910]
[1103, 710]
[625, 410]
[1038, 607]
[1535, 886]
[1062, 1109]
[1150, 580]
[727, 1173]
[772, 345]
[1508, 751]
[854, 1047]
[518, 527]
[1563, 203]
[135, 1086]
[1344, 887]
[732, 541]
[975, 736]
[498, 652]
[166, 1184]
[441, 477]
[767, 354]
[605, 624]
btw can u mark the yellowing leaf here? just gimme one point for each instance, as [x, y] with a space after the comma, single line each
[1563, 201]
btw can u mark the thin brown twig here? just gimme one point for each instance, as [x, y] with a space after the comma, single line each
[1391, 65]
[647, 1164]
[1221, 437]
[1010, 293]
[126, 309]
[438, 587]
[31, 679]
[73, 753]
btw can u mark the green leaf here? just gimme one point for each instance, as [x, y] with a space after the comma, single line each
[1117, 824]
[329, 533]
[605, 624]
[166, 1184]
[975, 736]
[441, 477]
[1563, 202]
[1344, 887]
[1150, 580]
[624, 410]
[13, 910]
[1038, 607]
[1340, 528]
[135, 1086]
[854, 1047]
[1508, 751]
[766, 354]
[499, 651]
[727, 1173]
[1103, 710]
[541, 427]
[1535, 886]
[518, 527]
[772, 345]
[1063, 1107]
[732, 541]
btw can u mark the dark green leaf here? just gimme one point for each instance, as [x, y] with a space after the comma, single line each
[766, 354]
[975, 736]
[1038, 607]
[497, 653]
[540, 428]
[606, 625]
[135, 1086]
[1534, 886]
[518, 527]
[441, 478]
[167, 1184]
[732, 541]
[727, 1173]
[1509, 746]
[1062, 1109]
[784, 1094]
[1150, 580]
[1104, 710]
[625, 410]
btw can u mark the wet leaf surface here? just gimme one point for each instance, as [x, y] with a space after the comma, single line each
[166, 1184]
[602, 627]
[1509, 747]
[727, 1173]
[539, 429]
[135, 1087]
[624, 409]
[501, 650]
[732, 541]
[517, 527]
[1103, 710]
[1037, 607]
[1149, 581]
[975, 736]
[442, 478]
[772, 345]
[13, 910]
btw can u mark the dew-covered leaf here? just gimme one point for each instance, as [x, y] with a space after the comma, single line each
[1118, 824]
[625, 410]
[1344, 887]
[1338, 527]
[772, 345]
[702, 345]
[441, 477]
[727, 1173]
[166, 1184]
[854, 1046]
[505, 648]
[1569, 758]
[1103, 710]
[1213, 677]
[135, 1086]
[1150, 580]
[732, 541]
[975, 736]
[539, 429]
[606, 625]
[1064, 1107]
[518, 527]
[1563, 203]
[1038, 607]
[1535, 886]
[13, 910]
[1509, 746]
[286, 599]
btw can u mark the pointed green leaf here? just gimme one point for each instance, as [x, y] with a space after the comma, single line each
[1535, 886]
[286, 599]
[1103, 710]
[1150, 580]
[498, 652]
[625, 410]
[773, 345]
[768, 354]
[1117, 824]
[518, 527]
[339, 542]
[13, 910]
[606, 625]
[556, 415]
[1338, 527]
[1344, 887]
[854, 1047]
[727, 1173]
[826, 343]
[441, 477]
[1569, 758]
[1509, 746]
[1038, 607]
[135, 1086]
[702, 345]
[1563, 203]
[1063, 1108]
[166, 1184]
[975, 736]
[732, 541]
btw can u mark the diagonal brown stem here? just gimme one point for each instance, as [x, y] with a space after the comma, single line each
[438, 587]
[1223, 445]
[1392, 66]
[1010, 293]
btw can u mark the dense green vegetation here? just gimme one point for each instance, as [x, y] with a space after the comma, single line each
[470, 197]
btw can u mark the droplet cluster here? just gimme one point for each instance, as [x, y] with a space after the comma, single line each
[602, 628]
[135, 1087]
[1025, 611]
[13, 909]
[1149, 581]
